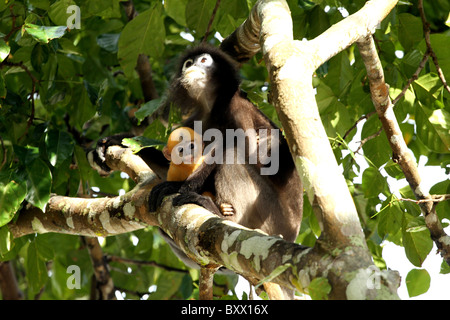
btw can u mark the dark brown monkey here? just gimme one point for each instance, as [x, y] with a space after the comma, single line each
[207, 83]
[206, 88]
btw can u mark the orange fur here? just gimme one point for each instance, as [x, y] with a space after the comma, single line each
[182, 136]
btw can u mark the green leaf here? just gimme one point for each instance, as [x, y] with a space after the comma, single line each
[433, 128]
[138, 143]
[36, 268]
[416, 239]
[417, 282]
[109, 42]
[147, 109]
[45, 34]
[445, 268]
[45, 249]
[82, 164]
[168, 284]
[375, 147]
[58, 12]
[176, 9]
[41, 4]
[428, 88]
[373, 183]
[144, 34]
[410, 30]
[319, 288]
[390, 219]
[39, 183]
[198, 14]
[81, 108]
[6, 241]
[442, 208]
[4, 50]
[59, 146]
[39, 56]
[11, 196]
[2, 87]
[441, 47]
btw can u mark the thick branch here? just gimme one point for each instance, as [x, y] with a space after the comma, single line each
[291, 65]
[104, 282]
[9, 287]
[211, 241]
[88, 217]
[401, 154]
[124, 160]
[346, 32]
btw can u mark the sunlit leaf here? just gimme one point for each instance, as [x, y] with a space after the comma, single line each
[319, 288]
[39, 183]
[417, 282]
[45, 34]
[416, 239]
[4, 50]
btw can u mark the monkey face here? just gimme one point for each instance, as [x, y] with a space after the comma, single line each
[196, 75]
[205, 76]
[184, 146]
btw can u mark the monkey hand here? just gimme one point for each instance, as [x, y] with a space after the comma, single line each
[96, 157]
[162, 190]
[195, 198]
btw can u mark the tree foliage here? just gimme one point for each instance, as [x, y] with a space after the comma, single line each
[62, 89]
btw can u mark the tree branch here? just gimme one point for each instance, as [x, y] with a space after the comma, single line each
[143, 67]
[210, 240]
[291, 65]
[401, 155]
[426, 31]
[358, 25]
[103, 280]
[340, 254]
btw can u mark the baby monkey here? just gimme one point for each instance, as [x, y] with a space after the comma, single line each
[184, 150]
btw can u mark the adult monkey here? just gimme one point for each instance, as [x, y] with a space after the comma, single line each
[206, 87]
[207, 84]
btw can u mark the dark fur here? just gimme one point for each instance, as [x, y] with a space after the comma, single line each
[272, 203]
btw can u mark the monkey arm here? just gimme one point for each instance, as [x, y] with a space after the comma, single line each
[146, 159]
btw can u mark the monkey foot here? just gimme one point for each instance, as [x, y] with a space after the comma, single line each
[226, 209]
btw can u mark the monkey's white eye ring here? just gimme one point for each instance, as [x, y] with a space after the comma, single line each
[188, 63]
[205, 59]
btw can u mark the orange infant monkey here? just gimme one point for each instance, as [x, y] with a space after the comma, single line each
[184, 151]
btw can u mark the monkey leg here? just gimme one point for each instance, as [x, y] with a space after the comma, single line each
[206, 281]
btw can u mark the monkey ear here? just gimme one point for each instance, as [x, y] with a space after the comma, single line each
[166, 152]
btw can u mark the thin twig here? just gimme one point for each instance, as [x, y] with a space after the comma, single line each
[144, 263]
[415, 76]
[363, 141]
[434, 198]
[208, 29]
[13, 26]
[366, 116]
[426, 30]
